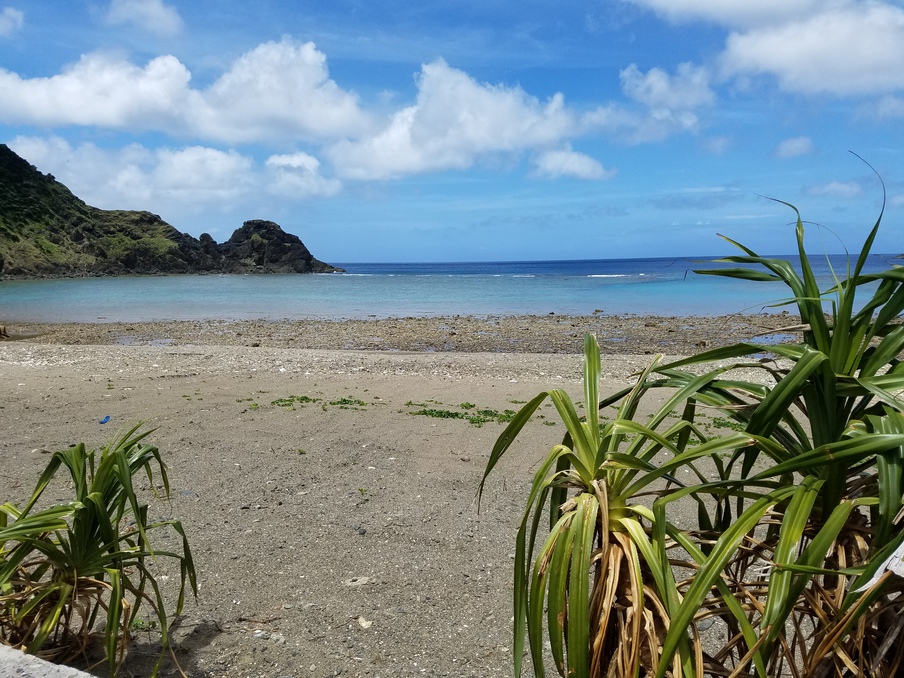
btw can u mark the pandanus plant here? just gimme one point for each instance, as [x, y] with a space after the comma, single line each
[601, 580]
[786, 565]
[830, 427]
[65, 567]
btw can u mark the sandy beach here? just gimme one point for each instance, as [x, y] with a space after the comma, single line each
[335, 529]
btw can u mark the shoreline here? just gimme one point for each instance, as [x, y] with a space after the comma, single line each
[556, 334]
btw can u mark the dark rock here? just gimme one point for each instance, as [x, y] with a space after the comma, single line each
[263, 247]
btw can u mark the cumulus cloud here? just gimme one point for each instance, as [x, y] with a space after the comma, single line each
[569, 163]
[687, 89]
[838, 47]
[276, 91]
[198, 173]
[174, 182]
[794, 147]
[281, 93]
[454, 121]
[153, 16]
[844, 51]
[99, 90]
[298, 175]
[11, 21]
[736, 12]
[135, 176]
[836, 189]
[668, 104]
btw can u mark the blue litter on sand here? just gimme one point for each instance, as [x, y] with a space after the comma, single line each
[105, 419]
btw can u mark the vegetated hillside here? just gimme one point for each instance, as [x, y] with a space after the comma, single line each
[45, 230]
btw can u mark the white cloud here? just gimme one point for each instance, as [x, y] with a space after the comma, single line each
[135, 177]
[686, 90]
[847, 51]
[669, 104]
[281, 92]
[737, 12]
[298, 175]
[454, 121]
[99, 90]
[106, 179]
[11, 21]
[151, 15]
[836, 189]
[200, 174]
[794, 147]
[276, 91]
[569, 163]
[178, 183]
[839, 47]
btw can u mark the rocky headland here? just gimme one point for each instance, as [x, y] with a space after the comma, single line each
[46, 231]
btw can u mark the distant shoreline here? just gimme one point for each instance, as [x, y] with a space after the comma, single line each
[563, 334]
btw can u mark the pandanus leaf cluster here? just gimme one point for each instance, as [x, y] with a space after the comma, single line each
[767, 549]
[63, 568]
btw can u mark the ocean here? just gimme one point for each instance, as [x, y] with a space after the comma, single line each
[379, 290]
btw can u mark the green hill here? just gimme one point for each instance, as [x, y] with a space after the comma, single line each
[45, 230]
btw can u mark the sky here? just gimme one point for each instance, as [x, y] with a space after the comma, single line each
[471, 130]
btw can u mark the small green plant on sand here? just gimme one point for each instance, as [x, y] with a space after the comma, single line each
[476, 417]
[291, 401]
[64, 568]
[346, 403]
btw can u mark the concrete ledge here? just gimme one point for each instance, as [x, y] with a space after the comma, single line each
[16, 664]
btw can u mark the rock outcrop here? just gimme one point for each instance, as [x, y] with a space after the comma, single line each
[45, 230]
[262, 246]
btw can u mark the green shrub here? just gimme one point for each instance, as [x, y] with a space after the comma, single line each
[64, 567]
[792, 563]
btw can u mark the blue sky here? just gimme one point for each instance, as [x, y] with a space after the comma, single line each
[469, 130]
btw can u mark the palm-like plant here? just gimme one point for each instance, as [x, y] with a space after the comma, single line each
[789, 567]
[63, 567]
[603, 574]
[831, 427]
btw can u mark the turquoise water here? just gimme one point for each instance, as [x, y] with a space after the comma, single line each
[642, 286]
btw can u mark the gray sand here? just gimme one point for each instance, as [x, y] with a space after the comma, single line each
[340, 537]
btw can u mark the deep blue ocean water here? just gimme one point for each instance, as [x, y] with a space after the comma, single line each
[612, 286]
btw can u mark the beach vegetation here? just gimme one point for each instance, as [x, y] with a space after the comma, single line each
[763, 540]
[347, 403]
[68, 569]
[291, 401]
[468, 412]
